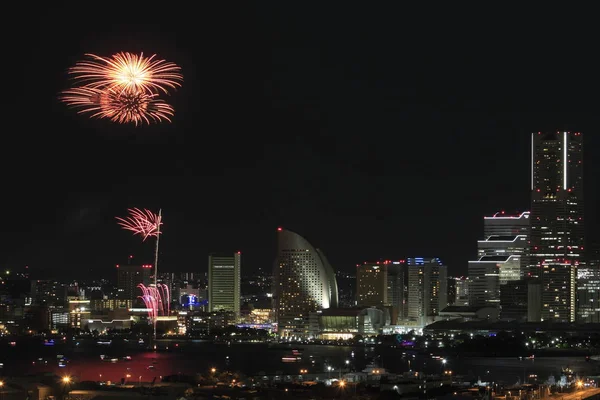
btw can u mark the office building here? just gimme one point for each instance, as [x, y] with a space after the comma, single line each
[397, 290]
[557, 236]
[128, 279]
[506, 239]
[462, 291]
[451, 291]
[224, 283]
[484, 281]
[303, 282]
[372, 284]
[588, 288]
[427, 288]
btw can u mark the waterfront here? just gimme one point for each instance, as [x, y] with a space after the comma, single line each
[84, 362]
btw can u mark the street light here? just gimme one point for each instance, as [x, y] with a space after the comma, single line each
[66, 380]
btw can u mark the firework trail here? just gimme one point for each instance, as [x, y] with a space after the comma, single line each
[123, 88]
[118, 106]
[141, 222]
[145, 223]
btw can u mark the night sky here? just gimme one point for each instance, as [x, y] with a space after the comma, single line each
[373, 132]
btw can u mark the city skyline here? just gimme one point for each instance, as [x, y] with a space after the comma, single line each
[319, 129]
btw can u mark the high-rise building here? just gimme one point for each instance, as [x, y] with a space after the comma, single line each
[372, 284]
[506, 239]
[557, 220]
[588, 288]
[427, 288]
[451, 290]
[398, 290]
[462, 291]
[224, 283]
[503, 224]
[484, 281]
[346, 289]
[514, 300]
[129, 277]
[303, 282]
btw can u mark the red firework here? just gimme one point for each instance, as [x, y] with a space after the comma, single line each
[141, 222]
[157, 299]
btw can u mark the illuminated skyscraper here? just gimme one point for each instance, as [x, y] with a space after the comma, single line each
[372, 284]
[224, 283]
[427, 288]
[557, 222]
[588, 288]
[303, 282]
[506, 242]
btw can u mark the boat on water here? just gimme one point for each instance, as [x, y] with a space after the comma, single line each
[294, 357]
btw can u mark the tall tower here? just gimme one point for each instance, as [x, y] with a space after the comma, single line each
[224, 283]
[303, 282]
[557, 223]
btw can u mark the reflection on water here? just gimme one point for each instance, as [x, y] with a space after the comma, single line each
[189, 358]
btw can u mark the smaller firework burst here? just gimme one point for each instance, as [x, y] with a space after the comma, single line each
[141, 222]
[157, 300]
[119, 106]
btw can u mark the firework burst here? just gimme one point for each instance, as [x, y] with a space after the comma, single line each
[141, 222]
[123, 88]
[157, 299]
[127, 71]
[118, 106]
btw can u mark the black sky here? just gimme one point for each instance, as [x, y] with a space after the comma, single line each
[374, 132]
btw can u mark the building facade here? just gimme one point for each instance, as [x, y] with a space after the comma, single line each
[398, 290]
[129, 277]
[506, 238]
[588, 288]
[484, 281]
[303, 282]
[427, 288]
[224, 279]
[557, 220]
[372, 284]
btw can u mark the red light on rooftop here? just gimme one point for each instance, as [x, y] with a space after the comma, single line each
[239, 252]
[117, 265]
[279, 229]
